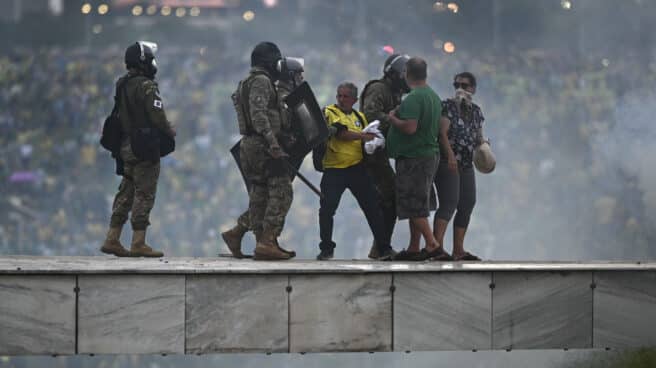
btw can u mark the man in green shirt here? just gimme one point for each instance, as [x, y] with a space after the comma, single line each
[412, 142]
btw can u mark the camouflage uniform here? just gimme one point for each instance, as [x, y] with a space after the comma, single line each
[136, 192]
[139, 185]
[284, 89]
[377, 100]
[271, 192]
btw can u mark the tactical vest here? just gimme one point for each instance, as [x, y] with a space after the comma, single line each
[146, 141]
[241, 105]
[396, 99]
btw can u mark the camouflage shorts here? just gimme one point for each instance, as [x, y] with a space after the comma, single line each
[414, 185]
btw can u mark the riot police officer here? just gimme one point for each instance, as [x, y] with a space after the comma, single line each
[143, 120]
[379, 97]
[260, 123]
[291, 76]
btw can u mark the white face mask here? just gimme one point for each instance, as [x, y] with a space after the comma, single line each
[463, 96]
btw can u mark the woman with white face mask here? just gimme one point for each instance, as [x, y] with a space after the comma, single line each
[461, 131]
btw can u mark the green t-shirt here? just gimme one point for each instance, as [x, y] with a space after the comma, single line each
[424, 105]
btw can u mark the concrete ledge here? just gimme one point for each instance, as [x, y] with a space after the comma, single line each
[37, 314]
[442, 311]
[185, 265]
[340, 313]
[542, 310]
[625, 309]
[105, 305]
[131, 314]
[237, 313]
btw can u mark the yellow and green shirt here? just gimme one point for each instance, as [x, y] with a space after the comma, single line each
[341, 154]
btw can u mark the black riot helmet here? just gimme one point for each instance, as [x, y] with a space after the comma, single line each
[393, 69]
[141, 56]
[291, 70]
[266, 55]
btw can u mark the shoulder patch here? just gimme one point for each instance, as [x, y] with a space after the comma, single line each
[157, 104]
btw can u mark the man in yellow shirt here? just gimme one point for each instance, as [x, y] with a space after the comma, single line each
[343, 169]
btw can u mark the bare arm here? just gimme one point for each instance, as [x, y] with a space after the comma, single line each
[347, 135]
[340, 131]
[479, 137]
[408, 126]
[445, 123]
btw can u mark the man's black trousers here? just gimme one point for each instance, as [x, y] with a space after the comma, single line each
[355, 178]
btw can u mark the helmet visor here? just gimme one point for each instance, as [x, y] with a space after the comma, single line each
[398, 64]
[148, 49]
[291, 65]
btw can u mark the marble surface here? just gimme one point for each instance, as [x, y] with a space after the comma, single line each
[237, 313]
[442, 311]
[542, 310]
[131, 314]
[330, 313]
[37, 315]
[333, 306]
[624, 309]
[204, 265]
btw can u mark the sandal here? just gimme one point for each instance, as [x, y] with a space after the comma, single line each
[466, 257]
[404, 255]
[439, 254]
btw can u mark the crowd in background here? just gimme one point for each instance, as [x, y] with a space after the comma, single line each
[557, 192]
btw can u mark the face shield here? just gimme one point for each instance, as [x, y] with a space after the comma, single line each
[291, 69]
[397, 65]
[396, 71]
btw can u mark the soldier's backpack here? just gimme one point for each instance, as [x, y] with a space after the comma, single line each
[111, 136]
[366, 87]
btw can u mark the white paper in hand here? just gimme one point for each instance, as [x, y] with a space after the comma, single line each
[379, 141]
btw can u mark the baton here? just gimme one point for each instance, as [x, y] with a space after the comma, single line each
[303, 178]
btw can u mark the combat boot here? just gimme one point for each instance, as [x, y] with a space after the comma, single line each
[139, 248]
[267, 250]
[112, 244]
[291, 253]
[232, 238]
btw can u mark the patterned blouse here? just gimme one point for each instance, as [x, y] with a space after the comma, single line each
[463, 131]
